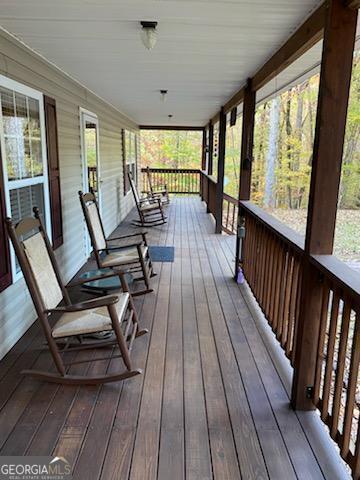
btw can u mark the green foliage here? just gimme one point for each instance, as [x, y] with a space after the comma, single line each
[295, 144]
[171, 148]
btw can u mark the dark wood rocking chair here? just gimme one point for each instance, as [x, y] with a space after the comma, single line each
[162, 193]
[150, 209]
[51, 299]
[134, 256]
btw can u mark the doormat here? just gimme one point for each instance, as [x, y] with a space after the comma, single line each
[161, 254]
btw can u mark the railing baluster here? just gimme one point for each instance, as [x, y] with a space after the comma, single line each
[330, 355]
[351, 388]
[340, 366]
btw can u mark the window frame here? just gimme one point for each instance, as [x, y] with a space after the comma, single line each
[132, 159]
[43, 179]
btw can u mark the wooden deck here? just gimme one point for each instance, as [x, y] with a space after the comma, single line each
[210, 403]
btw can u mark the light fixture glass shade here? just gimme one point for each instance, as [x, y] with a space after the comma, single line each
[149, 37]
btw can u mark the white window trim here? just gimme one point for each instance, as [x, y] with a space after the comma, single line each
[134, 160]
[91, 116]
[43, 179]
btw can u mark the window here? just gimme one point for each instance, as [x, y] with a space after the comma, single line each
[130, 145]
[23, 147]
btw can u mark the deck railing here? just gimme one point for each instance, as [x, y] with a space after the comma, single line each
[230, 214]
[208, 187]
[177, 180]
[92, 176]
[208, 191]
[273, 262]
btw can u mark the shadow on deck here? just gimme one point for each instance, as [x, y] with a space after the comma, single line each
[210, 404]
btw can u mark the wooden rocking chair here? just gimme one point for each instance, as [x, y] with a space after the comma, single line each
[74, 321]
[134, 257]
[163, 193]
[150, 209]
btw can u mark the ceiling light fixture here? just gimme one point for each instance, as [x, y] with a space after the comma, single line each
[149, 34]
[163, 94]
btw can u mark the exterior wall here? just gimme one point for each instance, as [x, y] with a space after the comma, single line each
[21, 64]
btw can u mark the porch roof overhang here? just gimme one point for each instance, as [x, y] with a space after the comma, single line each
[205, 51]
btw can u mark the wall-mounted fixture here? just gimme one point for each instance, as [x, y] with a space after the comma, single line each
[163, 94]
[149, 34]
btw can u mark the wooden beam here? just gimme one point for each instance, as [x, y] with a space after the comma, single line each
[172, 127]
[335, 77]
[247, 142]
[211, 148]
[220, 172]
[246, 156]
[235, 100]
[300, 42]
[306, 36]
[215, 118]
[203, 151]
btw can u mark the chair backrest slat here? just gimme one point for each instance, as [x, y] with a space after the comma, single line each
[96, 225]
[93, 222]
[42, 270]
[134, 189]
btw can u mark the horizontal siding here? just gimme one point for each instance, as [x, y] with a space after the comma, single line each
[22, 65]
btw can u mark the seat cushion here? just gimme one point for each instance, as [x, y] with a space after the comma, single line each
[123, 257]
[89, 321]
[149, 206]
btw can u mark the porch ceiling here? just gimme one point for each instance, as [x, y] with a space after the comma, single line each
[205, 49]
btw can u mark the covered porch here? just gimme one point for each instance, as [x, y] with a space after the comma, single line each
[213, 401]
[250, 368]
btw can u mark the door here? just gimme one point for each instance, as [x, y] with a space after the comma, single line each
[90, 161]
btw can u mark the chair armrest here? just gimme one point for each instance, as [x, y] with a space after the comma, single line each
[86, 305]
[122, 247]
[78, 283]
[122, 237]
[145, 199]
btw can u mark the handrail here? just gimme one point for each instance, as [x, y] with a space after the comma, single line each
[339, 272]
[276, 226]
[177, 180]
[230, 199]
[274, 262]
[209, 177]
[171, 170]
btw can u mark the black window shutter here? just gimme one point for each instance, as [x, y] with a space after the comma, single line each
[53, 171]
[5, 266]
[125, 167]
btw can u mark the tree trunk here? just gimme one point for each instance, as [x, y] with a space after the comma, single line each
[269, 199]
[288, 147]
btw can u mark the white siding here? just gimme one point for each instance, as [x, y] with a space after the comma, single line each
[21, 64]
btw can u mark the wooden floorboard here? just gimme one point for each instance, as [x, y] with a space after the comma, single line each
[209, 404]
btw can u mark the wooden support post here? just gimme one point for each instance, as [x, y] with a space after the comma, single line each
[211, 149]
[204, 146]
[220, 172]
[203, 163]
[246, 155]
[335, 76]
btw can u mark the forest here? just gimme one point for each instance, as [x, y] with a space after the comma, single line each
[282, 157]
[171, 148]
